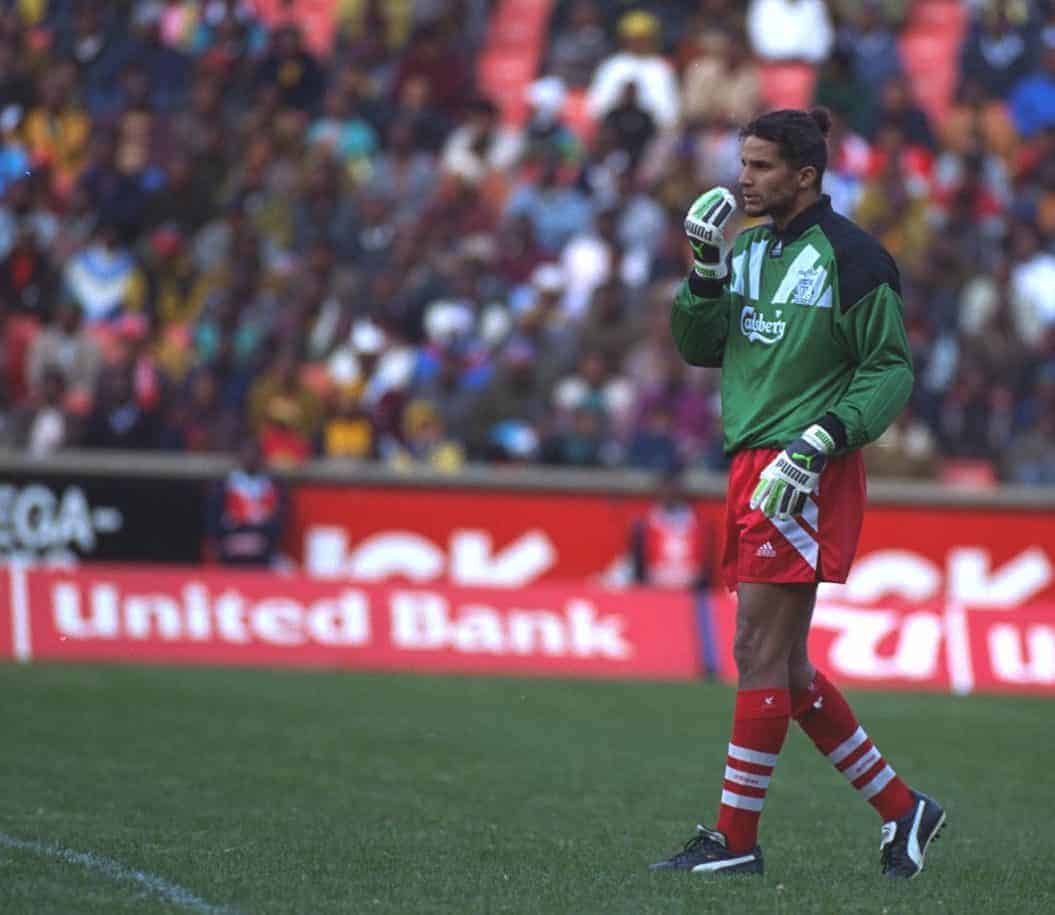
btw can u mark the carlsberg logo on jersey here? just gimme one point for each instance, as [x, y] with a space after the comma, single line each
[754, 326]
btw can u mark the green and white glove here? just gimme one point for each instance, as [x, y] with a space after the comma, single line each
[793, 474]
[705, 226]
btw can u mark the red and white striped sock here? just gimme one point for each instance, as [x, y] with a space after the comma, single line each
[760, 724]
[827, 719]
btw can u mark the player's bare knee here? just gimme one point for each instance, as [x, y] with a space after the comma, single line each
[759, 653]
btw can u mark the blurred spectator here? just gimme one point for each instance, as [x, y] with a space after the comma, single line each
[610, 326]
[480, 145]
[119, 420]
[546, 135]
[342, 133]
[66, 348]
[348, 433]
[428, 61]
[670, 547]
[996, 49]
[1030, 457]
[652, 445]
[578, 441]
[974, 119]
[867, 35]
[579, 48]
[56, 129]
[640, 62]
[284, 414]
[907, 449]
[198, 418]
[898, 219]
[511, 410]
[45, 425]
[424, 442]
[897, 109]
[721, 84]
[27, 280]
[1032, 287]
[103, 277]
[556, 210]
[790, 30]
[1032, 99]
[630, 124]
[292, 70]
[403, 172]
[841, 90]
[689, 395]
[245, 514]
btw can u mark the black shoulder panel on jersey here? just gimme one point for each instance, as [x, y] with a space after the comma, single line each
[863, 263]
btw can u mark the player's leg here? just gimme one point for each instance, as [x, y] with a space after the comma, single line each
[768, 616]
[911, 819]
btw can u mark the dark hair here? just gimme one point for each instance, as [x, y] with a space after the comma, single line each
[800, 135]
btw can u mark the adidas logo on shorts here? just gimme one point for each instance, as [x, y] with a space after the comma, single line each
[766, 551]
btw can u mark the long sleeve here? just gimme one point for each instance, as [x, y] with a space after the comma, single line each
[873, 331]
[699, 322]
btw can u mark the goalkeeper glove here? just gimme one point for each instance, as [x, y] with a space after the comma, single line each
[793, 474]
[705, 226]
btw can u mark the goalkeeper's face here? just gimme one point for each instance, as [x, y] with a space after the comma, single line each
[769, 185]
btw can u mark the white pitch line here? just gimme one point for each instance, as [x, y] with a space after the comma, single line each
[115, 870]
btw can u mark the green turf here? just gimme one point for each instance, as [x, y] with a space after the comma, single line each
[315, 793]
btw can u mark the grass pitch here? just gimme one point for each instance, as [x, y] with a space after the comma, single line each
[278, 792]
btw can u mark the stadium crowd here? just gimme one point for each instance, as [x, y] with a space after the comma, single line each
[209, 232]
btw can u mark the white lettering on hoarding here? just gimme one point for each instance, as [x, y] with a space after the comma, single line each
[104, 613]
[425, 621]
[855, 649]
[972, 583]
[886, 573]
[1037, 666]
[473, 560]
[474, 563]
[102, 621]
[34, 520]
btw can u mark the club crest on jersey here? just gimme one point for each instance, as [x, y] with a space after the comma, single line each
[807, 286]
[754, 326]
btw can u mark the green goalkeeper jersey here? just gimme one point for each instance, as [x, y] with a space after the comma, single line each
[807, 328]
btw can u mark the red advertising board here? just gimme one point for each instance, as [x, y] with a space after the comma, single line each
[162, 615]
[168, 616]
[938, 598]
[933, 645]
[7, 648]
[464, 537]
[985, 557]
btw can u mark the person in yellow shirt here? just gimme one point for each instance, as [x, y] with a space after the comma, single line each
[56, 131]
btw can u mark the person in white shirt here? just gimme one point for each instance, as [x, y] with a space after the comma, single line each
[790, 30]
[640, 62]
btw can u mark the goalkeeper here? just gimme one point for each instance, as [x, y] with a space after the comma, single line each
[804, 317]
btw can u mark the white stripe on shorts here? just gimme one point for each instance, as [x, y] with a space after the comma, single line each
[799, 538]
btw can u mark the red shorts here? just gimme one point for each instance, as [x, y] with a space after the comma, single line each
[817, 545]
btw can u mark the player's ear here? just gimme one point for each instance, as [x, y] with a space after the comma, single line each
[807, 177]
